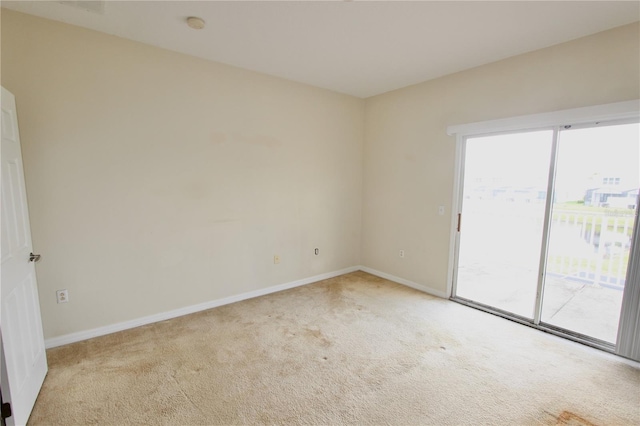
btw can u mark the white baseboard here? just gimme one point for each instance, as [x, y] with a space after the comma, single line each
[113, 328]
[402, 281]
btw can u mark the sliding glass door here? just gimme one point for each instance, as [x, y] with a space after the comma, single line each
[596, 192]
[546, 225]
[503, 209]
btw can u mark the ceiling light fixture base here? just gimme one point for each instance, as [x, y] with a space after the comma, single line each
[195, 22]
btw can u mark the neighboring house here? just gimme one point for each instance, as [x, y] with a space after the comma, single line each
[611, 197]
[631, 196]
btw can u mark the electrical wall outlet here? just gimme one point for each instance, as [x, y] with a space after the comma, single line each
[316, 251]
[62, 296]
[401, 254]
[276, 259]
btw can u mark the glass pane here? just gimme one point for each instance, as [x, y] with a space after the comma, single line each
[504, 193]
[596, 191]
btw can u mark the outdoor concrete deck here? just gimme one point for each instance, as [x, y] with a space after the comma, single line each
[592, 310]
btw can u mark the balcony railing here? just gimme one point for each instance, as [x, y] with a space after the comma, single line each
[590, 247]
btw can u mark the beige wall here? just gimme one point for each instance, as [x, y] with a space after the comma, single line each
[409, 159]
[157, 180]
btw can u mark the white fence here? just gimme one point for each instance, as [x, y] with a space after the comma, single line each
[590, 247]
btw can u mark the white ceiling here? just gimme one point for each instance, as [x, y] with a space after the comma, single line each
[357, 48]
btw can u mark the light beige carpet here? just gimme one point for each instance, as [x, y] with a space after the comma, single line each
[350, 350]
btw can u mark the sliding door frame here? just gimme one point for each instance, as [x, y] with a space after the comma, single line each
[461, 150]
[628, 343]
[542, 267]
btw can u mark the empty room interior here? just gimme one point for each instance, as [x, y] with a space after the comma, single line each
[339, 212]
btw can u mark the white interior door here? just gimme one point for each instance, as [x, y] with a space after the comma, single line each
[23, 347]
